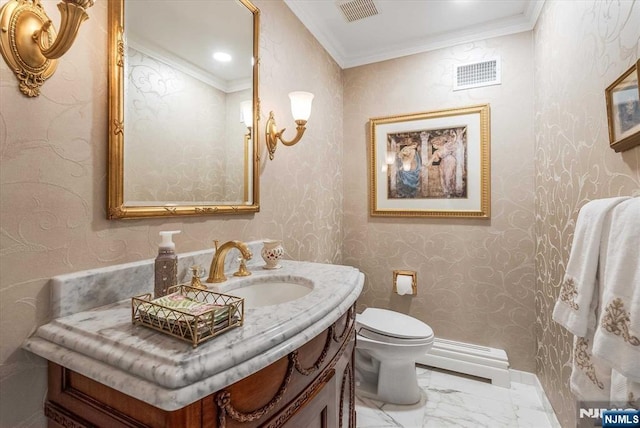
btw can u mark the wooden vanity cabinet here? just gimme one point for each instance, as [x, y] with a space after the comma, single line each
[311, 387]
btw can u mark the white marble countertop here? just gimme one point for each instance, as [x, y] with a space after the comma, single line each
[104, 345]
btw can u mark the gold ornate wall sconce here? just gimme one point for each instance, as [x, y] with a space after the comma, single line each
[301, 110]
[28, 40]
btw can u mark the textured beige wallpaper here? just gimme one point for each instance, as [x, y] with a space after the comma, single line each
[478, 279]
[53, 154]
[580, 48]
[475, 277]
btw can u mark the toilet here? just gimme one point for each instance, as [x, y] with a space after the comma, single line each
[387, 346]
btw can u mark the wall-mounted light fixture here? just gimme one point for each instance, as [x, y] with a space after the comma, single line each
[28, 40]
[301, 110]
[246, 112]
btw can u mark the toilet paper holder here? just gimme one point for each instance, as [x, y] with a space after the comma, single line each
[399, 276]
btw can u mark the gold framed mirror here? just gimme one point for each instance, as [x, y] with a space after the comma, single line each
[182, 126]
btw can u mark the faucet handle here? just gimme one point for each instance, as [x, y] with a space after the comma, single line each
[242, 270]
[196, 271]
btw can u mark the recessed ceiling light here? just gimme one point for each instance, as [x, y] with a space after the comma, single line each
[222, 57]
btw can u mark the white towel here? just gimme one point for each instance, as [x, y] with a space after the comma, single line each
[574, 307]
[590, 377]
[617, 337]
[624, 393]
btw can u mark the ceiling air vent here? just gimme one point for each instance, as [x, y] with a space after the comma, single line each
[477, 74]
[354, 10]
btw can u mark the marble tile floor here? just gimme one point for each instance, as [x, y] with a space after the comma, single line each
[450, 400]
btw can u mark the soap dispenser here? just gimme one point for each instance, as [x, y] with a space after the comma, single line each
[166, 267]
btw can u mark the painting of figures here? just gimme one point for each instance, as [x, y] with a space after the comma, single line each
[430, 163]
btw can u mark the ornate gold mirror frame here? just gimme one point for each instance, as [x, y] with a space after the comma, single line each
[117, 206]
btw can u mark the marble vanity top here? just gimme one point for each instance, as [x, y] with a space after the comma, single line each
[103, 344]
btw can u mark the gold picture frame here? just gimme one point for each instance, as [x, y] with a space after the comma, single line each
[432, 164]
[623, 110]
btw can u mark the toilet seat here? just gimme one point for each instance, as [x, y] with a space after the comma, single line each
[392, 327]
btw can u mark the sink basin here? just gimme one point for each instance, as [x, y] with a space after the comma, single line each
[272, 291]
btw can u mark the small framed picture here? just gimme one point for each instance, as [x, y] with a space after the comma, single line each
[623, 110]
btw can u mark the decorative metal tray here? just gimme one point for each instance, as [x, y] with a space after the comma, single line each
[189, 313]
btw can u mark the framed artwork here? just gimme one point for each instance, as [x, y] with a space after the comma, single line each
[623, 110]
[434, 164]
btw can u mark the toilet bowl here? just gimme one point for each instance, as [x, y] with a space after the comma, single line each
[387, 346]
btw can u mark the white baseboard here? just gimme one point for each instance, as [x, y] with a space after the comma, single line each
[527, 378]
[480, 361]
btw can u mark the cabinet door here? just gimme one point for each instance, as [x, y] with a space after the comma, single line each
[320, 411]
[346, 400]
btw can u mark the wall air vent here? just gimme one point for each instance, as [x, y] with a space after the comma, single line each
[477, 74]
[354, 10]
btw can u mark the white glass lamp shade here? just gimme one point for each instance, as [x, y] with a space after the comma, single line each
[301, 105]
[247, 113]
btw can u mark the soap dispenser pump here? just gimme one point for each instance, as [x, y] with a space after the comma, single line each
[166, 266]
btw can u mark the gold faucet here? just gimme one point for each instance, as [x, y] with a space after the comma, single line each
[216, 271]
